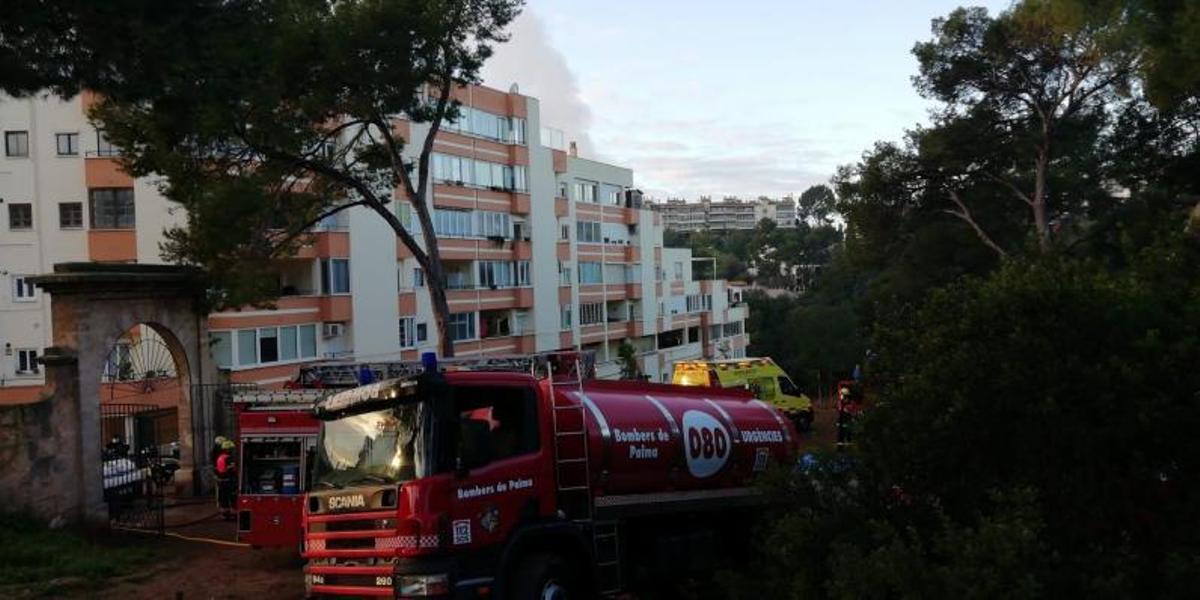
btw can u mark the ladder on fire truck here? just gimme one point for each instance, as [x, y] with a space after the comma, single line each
[572, 470]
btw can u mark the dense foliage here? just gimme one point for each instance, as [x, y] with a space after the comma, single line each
[1035, 375]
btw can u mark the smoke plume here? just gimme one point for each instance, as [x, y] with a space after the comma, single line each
[541, 71]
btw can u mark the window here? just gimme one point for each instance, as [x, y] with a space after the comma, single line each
[27, 361]
[16, 143]
[404, 213]
[566, 231]
[452, 223]
[585, 192]
[20, 216]
[67, 144]
[23, 290]
[497, 422]
[104, 147]
[695, 303]
[418, 277]
[495, 323]
[494, 224]
[591, 313]
[308, 340]
[734, 328]
[670, 339]
[591, 272]
[335, 276]
[678, 271]
[523, 279]
[461, 326]
[587, 231]
[519, 178]
[564, 315]
[287, 343]
[112, 208]
[70, 215]
[220, 348]
[268, 345]
[494, 274]
[517, 131]
[264, 345]
[407, 332]
[614, 273]
[246, 351]
[422, 332]
[458, 276]
[564, 274]
[451, 169]
[787, 387]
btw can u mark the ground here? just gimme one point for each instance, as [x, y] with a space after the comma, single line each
[197, 561]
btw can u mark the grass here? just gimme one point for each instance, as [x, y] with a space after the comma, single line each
[35, 556]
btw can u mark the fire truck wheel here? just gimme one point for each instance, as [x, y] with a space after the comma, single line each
[546, 577]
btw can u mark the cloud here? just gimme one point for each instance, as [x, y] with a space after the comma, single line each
[694, 157]
[541, 71]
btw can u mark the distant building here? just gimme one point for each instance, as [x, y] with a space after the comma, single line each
[728, 213]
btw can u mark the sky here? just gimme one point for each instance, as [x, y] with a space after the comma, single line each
[699, 97]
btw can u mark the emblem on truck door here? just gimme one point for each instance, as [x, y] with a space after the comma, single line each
[705, 443]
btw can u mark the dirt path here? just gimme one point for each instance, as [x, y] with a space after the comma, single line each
[196, 570]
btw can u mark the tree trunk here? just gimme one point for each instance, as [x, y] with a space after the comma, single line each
[436, 283]
[1038, 202]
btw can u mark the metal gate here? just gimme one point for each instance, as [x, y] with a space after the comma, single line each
[212, 416]
[138, 462]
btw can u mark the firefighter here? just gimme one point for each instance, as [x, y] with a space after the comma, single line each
[226, 468]
[218, 442]
[849, 406]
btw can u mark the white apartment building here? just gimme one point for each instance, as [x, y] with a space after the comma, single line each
[544, 250]
[729, 213]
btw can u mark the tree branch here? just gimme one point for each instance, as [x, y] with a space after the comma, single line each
[304, 228]
[368, 195]
[1010, 185]
[964, 213]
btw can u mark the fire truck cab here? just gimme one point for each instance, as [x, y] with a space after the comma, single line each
[497, 481]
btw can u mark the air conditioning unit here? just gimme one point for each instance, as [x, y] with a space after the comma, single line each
[331, 330]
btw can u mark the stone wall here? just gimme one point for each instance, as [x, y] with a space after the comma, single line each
[50, 449]
[41, 460]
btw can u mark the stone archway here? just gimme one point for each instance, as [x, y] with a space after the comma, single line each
[56, 471]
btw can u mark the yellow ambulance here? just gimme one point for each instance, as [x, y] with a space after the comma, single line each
[761, 376]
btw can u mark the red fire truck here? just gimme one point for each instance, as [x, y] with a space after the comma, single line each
[277, 435]
[531, 481]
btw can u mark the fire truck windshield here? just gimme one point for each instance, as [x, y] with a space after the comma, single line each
[382, 446]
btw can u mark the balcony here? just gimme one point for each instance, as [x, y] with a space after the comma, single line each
[472, 299]
[562, 208]
[325, 244]
[522, 250]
